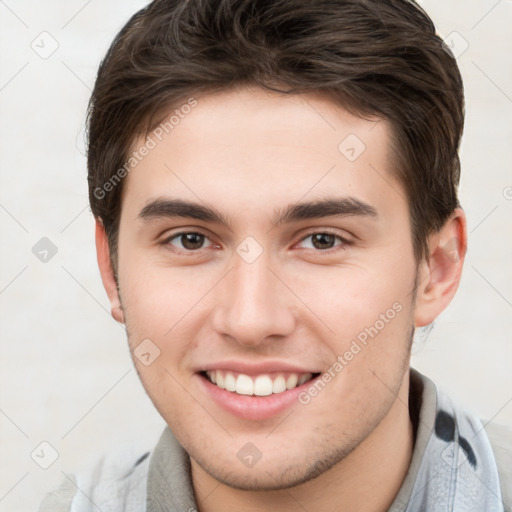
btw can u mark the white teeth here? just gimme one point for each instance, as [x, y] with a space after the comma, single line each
[292, 380]
[230, 382]
[244, 385]
[279, 385]
[262, 385]
[304, 378]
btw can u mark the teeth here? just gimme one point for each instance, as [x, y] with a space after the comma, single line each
[244, 385]
[291, 381]
[262, 385]
[303, 378]
[279, 385]
[230, 382]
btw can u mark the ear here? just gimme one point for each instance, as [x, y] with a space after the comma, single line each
[106, 271]
[439, 274]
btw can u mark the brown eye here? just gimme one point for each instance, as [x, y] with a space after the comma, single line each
[323, 241]
[188, 241]
[192, 241]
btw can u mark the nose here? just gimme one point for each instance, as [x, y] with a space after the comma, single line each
[253, 306]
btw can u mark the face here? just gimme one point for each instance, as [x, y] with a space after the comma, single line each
[265, 245]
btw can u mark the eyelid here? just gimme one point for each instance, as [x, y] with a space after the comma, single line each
[169, 233]
[166, 241]
[344, 240]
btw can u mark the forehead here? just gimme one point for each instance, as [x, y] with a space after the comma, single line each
[246, 148]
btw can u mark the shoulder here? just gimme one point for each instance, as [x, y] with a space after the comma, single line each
[60, 499]
[500, 438]
[116, 482]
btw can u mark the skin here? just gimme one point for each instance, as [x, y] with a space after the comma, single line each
[247, 153]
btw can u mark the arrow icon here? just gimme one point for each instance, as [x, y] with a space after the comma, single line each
[44, 44]
[44, 250]
[249, 249]
[249, 455]
[351, 147]
[146, 352]
[44, 455]
[455, 44]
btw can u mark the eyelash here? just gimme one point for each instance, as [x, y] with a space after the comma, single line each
[341, 246]
[167, 242]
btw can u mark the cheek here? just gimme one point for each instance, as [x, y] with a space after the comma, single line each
[349, 299]
[156, 297]
[366, 371]
[366, 319]
[161, 306]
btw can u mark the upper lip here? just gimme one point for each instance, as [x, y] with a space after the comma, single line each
[257, 368]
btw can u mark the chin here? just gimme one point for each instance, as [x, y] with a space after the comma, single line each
[281, 472]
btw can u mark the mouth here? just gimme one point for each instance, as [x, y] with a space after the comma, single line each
[255, 391]
[261, 385]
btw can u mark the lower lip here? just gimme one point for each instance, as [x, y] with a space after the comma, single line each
[251, 407]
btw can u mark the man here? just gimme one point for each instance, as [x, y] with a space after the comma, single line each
[275, 189]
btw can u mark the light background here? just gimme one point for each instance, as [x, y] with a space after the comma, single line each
[65, 373]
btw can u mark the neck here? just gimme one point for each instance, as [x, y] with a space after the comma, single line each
[367, 480]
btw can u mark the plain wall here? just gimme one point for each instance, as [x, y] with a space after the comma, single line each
[66, 377]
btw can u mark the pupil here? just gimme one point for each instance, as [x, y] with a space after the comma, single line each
[323, 241]
[192, 240]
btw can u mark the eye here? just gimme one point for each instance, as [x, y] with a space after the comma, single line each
[189, 241]
[323, 241]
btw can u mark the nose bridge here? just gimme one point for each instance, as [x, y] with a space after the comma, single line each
[252, 307]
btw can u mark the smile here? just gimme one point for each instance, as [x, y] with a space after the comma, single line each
[259, 385]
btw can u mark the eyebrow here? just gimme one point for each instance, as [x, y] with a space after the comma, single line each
[331, 207]
[336, 207]
[164, 208]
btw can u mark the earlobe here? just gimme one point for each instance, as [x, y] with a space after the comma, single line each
[439, 275]
[107, 273]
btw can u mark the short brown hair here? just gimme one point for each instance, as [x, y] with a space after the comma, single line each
[373, 57]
